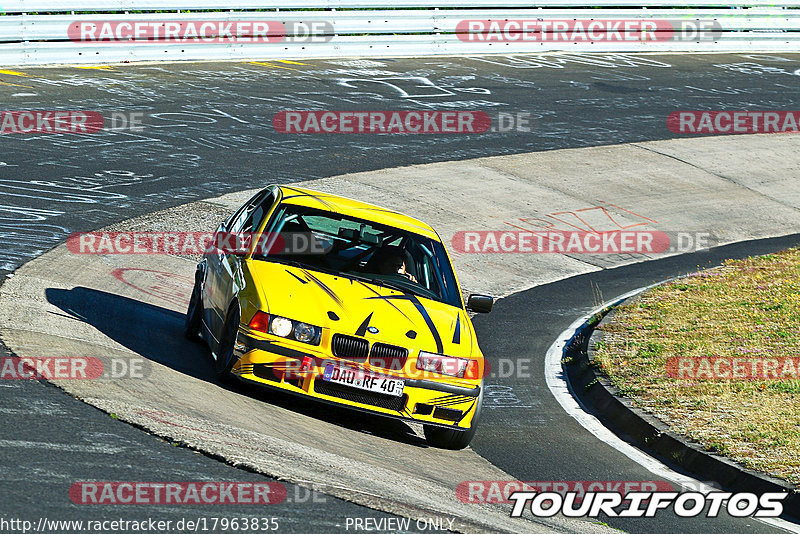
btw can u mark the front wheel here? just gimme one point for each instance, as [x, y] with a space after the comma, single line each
[450, 438]
[225, 358]
[194, 315]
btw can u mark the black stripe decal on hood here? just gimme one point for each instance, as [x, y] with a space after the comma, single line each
[301, 280]
[388, 301]
[322, 286]
[363, 328]
[428, 321]
[422, 311]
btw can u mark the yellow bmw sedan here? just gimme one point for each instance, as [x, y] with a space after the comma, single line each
[344, 302]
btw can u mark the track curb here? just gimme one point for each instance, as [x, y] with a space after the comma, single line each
[649, 433]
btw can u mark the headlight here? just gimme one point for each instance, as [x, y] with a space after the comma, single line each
[280, 326]
[304, 332]
[283, 327]
[447, 365]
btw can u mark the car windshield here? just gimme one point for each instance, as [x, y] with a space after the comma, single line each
[361, 250]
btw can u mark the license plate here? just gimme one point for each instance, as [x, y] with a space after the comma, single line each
[361, 380]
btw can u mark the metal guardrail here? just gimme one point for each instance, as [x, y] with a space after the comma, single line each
[32, 6]
[355, 46]
[55, 27]
[38, 31]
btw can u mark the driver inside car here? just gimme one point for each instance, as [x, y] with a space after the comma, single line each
[393, 263]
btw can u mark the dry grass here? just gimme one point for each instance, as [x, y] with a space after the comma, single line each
[746, 308]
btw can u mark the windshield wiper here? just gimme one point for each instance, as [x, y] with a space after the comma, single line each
[366, 279]
[401, 289]
[387, 284]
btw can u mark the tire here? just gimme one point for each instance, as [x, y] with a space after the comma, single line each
[450, 438]
[225, 359]
[194, 314]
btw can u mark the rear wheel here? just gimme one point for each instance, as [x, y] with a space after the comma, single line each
[194, 315]
[450, 438]
[225, 359]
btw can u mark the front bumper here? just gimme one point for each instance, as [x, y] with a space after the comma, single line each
[277, 364]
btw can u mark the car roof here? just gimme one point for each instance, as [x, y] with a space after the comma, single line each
[354, 208]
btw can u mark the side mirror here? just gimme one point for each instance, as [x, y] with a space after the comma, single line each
[480, 303]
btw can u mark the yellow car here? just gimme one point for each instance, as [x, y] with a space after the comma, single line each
[344, 302]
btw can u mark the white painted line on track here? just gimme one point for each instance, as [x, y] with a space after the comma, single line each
[560, 388]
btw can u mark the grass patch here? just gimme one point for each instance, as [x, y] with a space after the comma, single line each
[745, 309]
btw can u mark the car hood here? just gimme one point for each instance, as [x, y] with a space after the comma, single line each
[353, 307]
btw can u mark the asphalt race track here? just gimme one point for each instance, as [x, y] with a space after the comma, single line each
[208, 131]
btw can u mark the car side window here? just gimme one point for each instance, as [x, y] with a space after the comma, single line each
[426, 273]
[242, 212]
[252, 214]
[256, 217]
